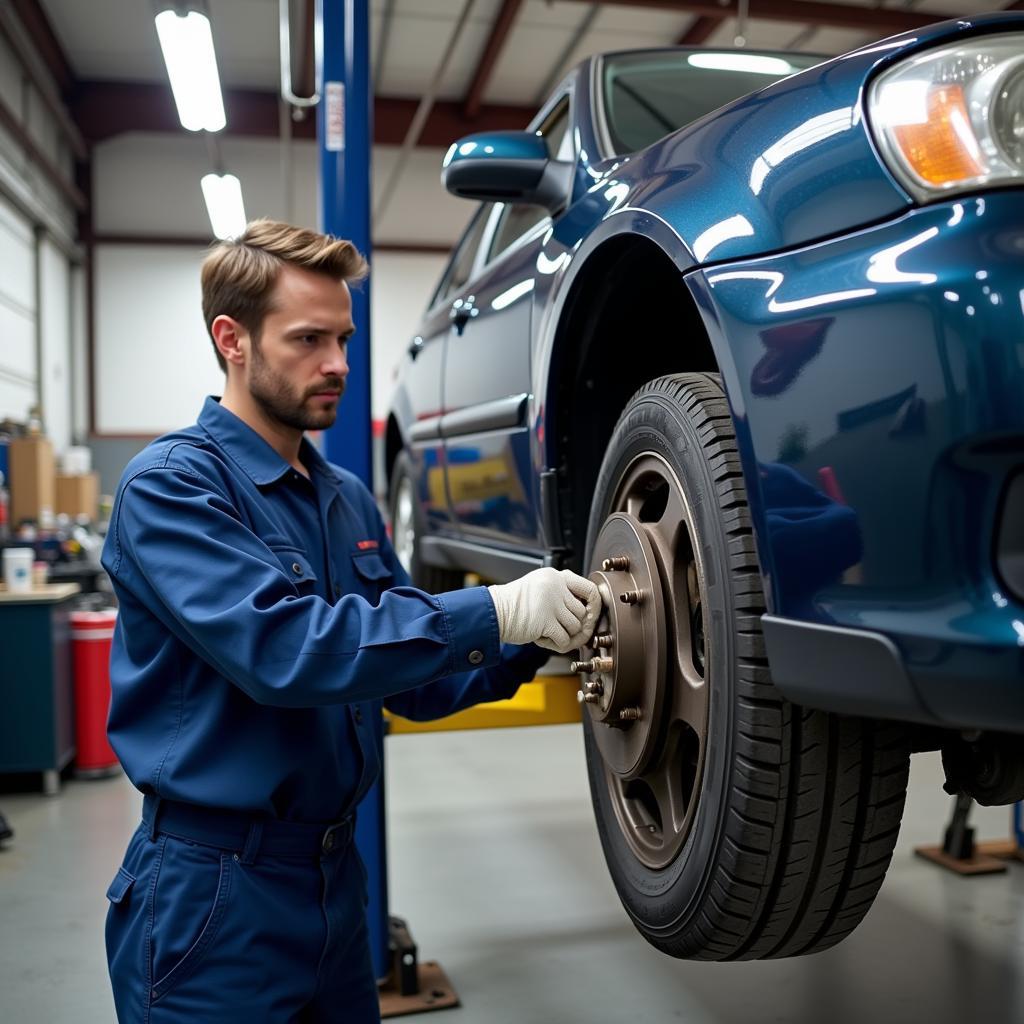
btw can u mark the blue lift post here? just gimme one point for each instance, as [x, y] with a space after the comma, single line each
[344, 135]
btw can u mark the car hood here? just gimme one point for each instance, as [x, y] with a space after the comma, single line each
[791, 164]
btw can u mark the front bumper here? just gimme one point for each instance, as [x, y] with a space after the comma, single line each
[877, 383]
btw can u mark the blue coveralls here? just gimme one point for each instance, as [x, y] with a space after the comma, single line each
[263, 619]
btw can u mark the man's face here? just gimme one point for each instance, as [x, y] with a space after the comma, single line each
[297, 369]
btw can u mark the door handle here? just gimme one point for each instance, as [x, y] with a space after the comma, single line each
[462, 311]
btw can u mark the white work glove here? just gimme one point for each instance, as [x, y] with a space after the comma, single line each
[556, 610]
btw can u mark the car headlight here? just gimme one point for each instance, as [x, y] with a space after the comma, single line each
[952, 119]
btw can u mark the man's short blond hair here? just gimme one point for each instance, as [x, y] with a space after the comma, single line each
[239, 275]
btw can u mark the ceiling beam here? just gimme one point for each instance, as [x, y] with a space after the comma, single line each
[884, 20]
[473, 102]
[106, 109]
[700, 31]
[30, 40]
[34, 18]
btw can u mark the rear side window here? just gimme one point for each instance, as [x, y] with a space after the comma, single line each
[461, 265]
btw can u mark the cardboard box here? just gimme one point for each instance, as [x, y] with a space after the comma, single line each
[78, 495]
[33, 483]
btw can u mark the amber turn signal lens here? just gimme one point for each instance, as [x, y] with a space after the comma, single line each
[943, 149]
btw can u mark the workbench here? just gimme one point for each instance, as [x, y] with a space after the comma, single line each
[37, 722]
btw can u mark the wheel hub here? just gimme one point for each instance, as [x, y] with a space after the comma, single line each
[624, 666]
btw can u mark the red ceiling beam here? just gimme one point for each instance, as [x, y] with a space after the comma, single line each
[106, 109]
[700, 31]
[884, 20]
[473, 102]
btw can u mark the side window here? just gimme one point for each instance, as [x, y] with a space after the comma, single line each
[518, 218]
[461, 265]
[556, 131]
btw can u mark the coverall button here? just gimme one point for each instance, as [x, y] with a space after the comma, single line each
[296, 568]
[328, 843]
[475, 657]
[358, 714]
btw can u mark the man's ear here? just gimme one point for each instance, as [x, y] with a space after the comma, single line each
[231, 339]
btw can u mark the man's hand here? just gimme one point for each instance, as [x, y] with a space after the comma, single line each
[556, 610]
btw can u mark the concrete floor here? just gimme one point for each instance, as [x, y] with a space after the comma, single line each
[496, 866]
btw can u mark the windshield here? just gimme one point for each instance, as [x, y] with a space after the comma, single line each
[649, 95]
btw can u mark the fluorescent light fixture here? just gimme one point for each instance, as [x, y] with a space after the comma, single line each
[187, 45]
[752, 62]
[223, 195]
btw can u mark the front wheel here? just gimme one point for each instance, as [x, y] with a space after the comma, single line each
[735, 825]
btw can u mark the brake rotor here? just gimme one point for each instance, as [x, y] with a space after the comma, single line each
[624, 665]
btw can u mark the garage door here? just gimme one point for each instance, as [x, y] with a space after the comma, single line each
[18, 367]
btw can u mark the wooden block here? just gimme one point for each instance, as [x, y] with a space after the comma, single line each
[979, 864]
[1004, 849]
[436, 993]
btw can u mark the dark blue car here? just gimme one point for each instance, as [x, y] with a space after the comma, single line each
[741, 336]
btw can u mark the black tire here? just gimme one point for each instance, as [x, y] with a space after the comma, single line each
[427, 577]
[797, 811]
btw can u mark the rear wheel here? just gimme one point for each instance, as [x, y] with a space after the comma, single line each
[735, 824]
[407, 531]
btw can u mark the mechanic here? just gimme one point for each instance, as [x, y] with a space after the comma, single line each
[263, 618]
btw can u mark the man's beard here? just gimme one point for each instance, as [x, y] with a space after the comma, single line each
[278, 401]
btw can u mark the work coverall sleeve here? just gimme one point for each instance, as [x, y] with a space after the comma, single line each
[181, 549]
[518, 664]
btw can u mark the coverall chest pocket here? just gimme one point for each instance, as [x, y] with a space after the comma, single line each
[372, 573]
[298, 568]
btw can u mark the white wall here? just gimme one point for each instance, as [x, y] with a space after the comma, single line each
[155, 362]
[401, 285]
[148, 321]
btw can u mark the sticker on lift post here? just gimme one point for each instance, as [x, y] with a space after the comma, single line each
[334, 117]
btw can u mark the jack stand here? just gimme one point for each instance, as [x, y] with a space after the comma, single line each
[412, 987]
[960, 853]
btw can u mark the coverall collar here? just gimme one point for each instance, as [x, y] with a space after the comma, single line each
[255, 456]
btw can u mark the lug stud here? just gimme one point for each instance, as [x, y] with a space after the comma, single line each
[602, 664]
[629, 714]
[593, 686]
[587, 698]
[604, 640]
[631, 597]
[581, 666]
[620, 563]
